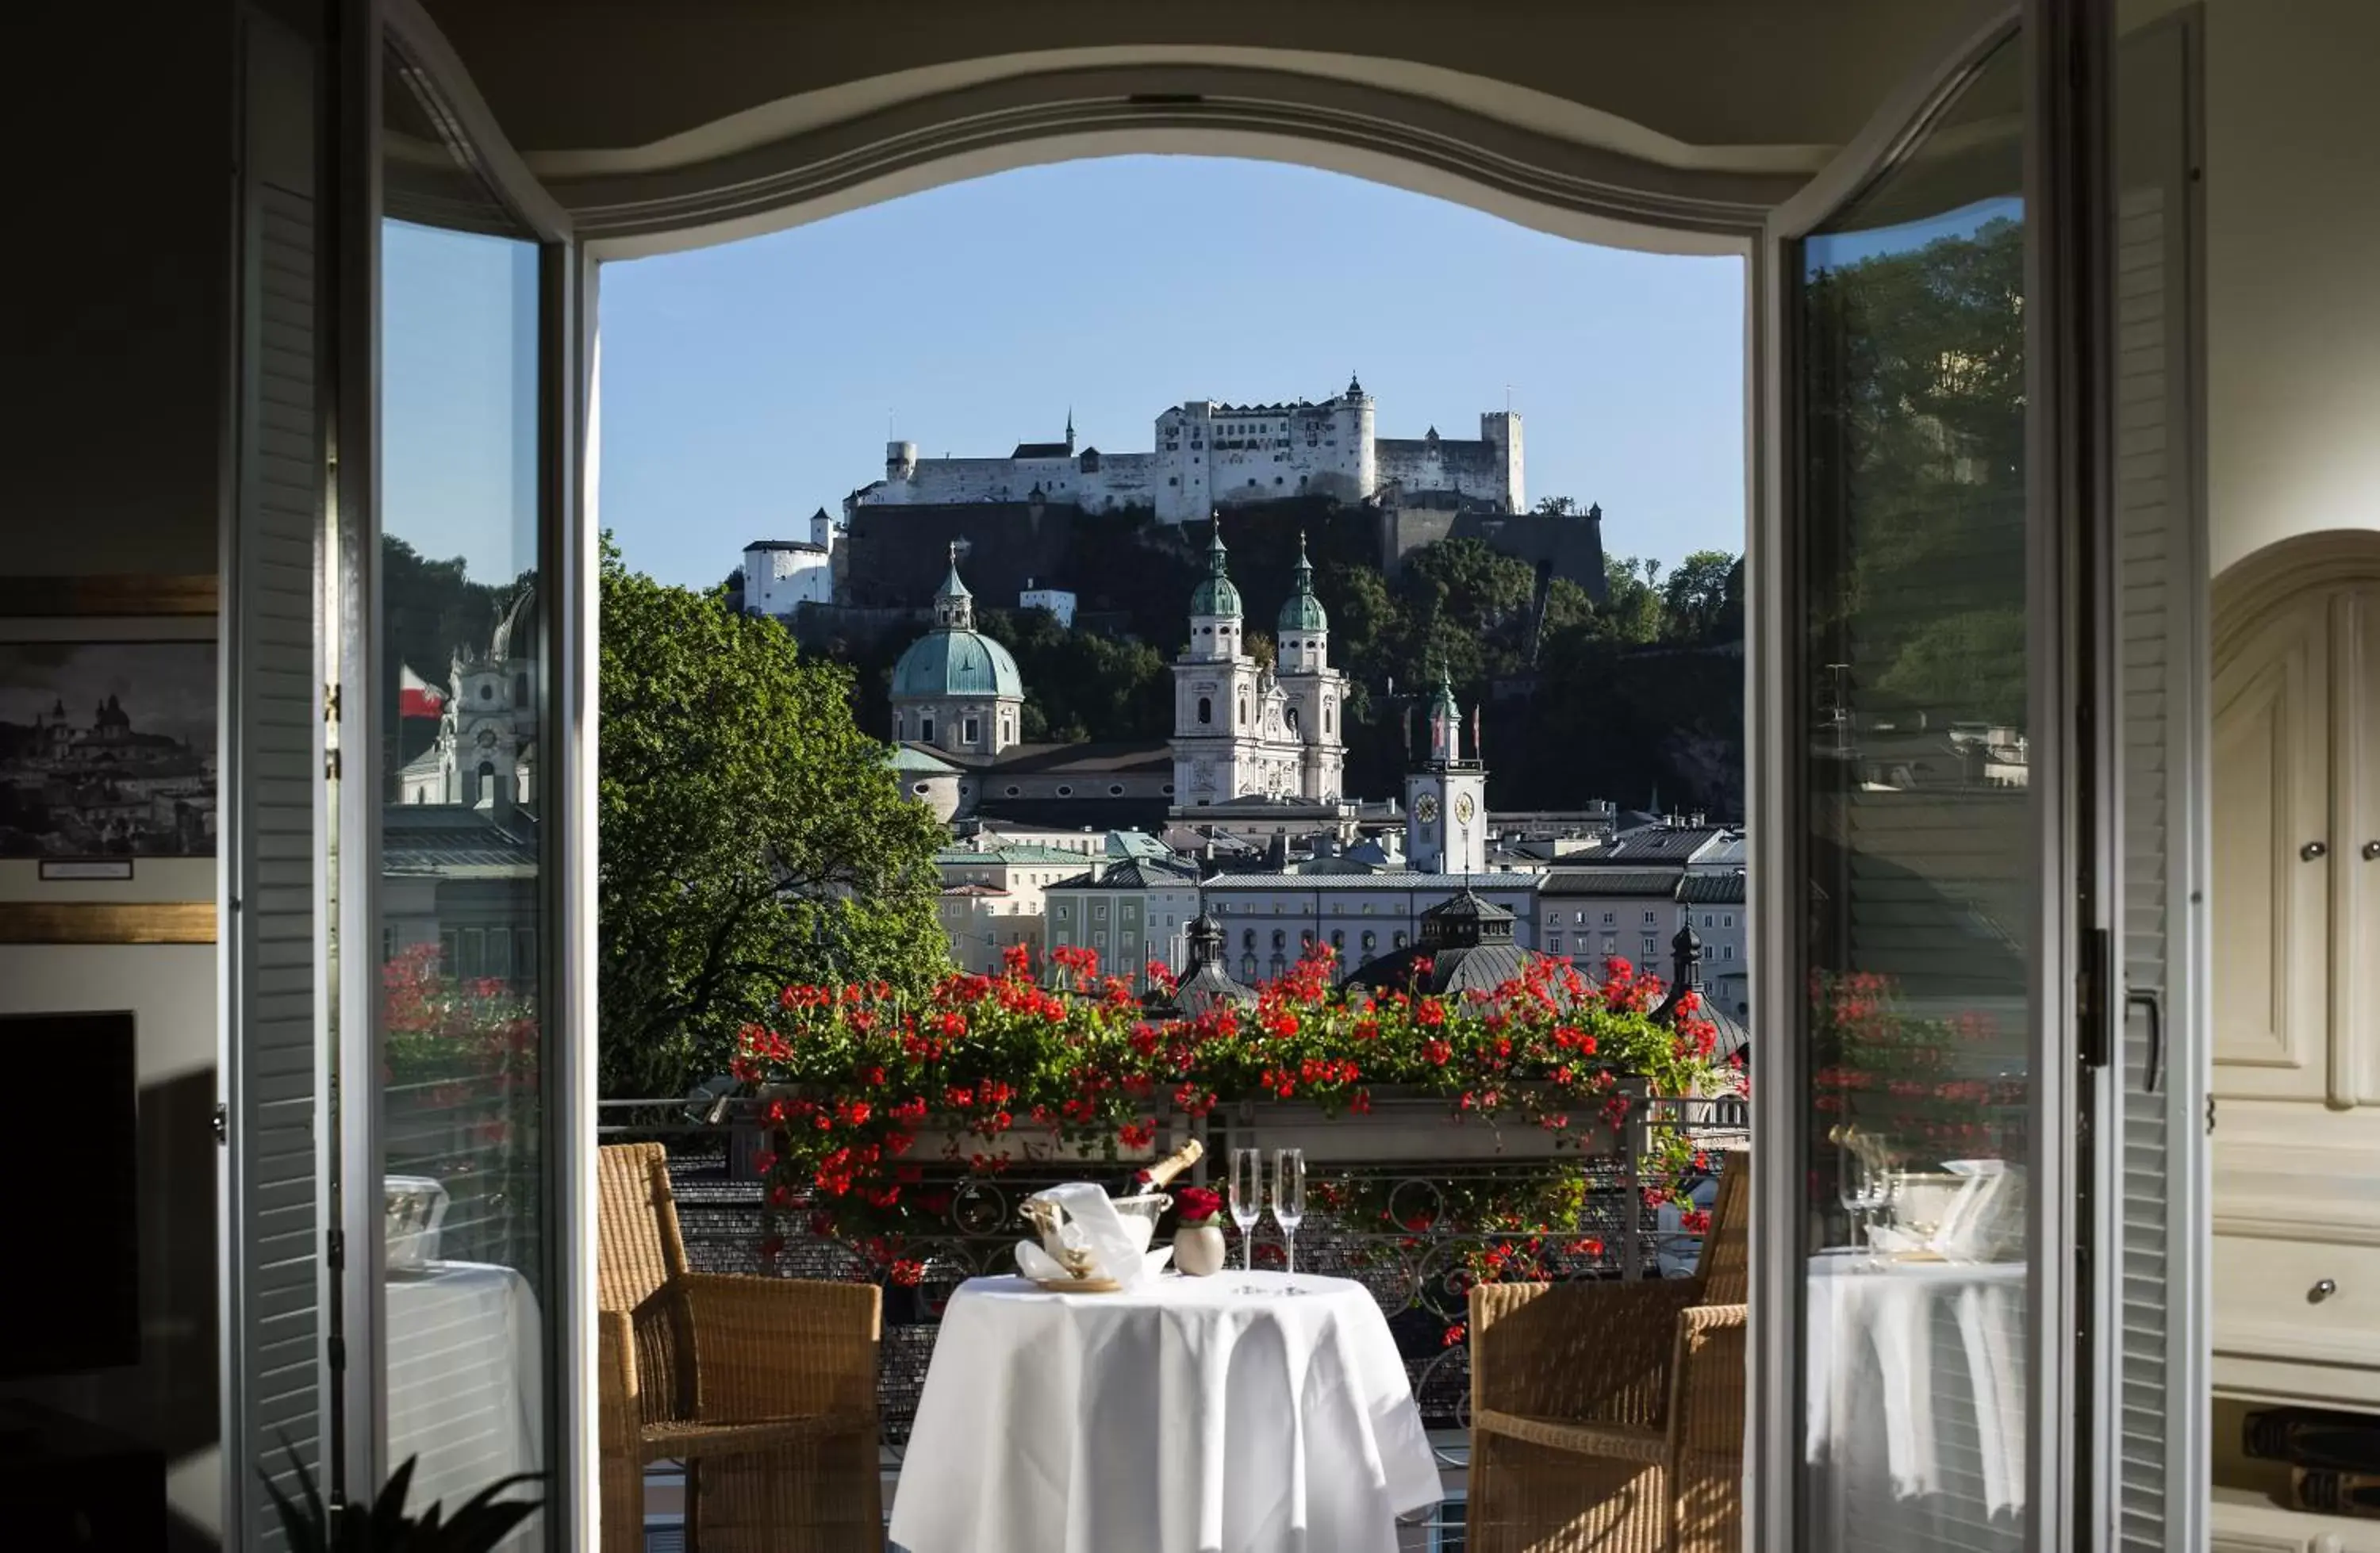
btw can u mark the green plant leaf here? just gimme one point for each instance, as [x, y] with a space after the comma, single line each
[388, 1528]
[308, 1529]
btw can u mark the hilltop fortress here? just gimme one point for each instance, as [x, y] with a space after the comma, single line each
[1211, 456]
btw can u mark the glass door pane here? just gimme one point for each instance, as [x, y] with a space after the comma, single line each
[1908, 307]
[469, 1297]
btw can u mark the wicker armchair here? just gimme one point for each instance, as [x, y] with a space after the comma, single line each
[764, 1388]
[1609, 1417]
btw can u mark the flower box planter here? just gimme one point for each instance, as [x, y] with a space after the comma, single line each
[1412, 1127]
[943, 1140]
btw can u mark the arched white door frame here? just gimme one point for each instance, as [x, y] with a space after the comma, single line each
[1626, 192]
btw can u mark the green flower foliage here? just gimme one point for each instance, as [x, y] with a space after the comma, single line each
[869, 1086]
[749, 835]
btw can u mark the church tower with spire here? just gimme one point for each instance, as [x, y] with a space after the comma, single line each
[1316, 692]
[1446, 794]
[1232, 733]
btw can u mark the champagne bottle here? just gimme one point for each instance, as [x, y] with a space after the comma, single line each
[2309, 1437]
[2336, 1493]
[1155, 1177]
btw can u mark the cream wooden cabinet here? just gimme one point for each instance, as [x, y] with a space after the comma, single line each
[2295, 927]
[2296, 908]
[2251, 1523]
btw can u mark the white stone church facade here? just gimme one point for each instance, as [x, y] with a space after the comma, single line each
[1242, 729]
[1208, 455]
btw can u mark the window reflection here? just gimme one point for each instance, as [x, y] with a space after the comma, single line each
[1918, 835]
[462, 714]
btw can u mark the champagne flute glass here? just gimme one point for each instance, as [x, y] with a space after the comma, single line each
[1289, 1200]
[1247, 1200]
[1854, 1182]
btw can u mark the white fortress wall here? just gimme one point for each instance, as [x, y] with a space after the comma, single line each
[1210, 455]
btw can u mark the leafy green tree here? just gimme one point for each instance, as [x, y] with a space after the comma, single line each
[1632, 609]
[749, 836]
[1694, 600]
[1556, 507]
[1083, 684]
[1567, 606]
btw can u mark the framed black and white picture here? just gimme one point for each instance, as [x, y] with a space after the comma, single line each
[108, 760]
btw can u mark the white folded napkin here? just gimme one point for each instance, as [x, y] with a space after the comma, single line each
[1039, 1264]
[1114, 1248]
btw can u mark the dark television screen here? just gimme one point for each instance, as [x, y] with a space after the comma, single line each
[71, 1116]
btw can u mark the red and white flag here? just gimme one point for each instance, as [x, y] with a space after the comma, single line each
[416, 696]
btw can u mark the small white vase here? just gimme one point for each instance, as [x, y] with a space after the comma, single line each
[1199, 1249]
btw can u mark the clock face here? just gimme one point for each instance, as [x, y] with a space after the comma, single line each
[1464, 808]
[1426, 808]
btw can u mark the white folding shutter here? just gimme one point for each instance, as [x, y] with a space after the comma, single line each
[276, 1075]
[2160, 1392]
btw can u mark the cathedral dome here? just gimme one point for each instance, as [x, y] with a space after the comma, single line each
[957, 663]
[1217, 596]
[1301, 611]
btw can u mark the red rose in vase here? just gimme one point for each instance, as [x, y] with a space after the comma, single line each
[1198, 1204]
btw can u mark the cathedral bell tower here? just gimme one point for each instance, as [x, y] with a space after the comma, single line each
[1315, 691]
[1446, 795]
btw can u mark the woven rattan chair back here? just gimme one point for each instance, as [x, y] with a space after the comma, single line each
[1725, 1267]
[638, 1249]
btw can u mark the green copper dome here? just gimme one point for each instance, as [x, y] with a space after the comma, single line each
[1301, 611]
[951, 663]
[955, 659]
[1216, 596]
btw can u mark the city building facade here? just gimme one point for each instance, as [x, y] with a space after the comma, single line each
[1129, 913]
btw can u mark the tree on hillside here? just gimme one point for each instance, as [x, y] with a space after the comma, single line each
[1696, 598]
[749, 836]
[1632, 609]
[1083, 684]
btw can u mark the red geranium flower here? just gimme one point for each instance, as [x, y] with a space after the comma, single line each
[1198, 1204]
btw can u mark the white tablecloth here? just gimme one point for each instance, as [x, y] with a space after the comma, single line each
[464, 1382]
[1218, 1415]
[1916, 1405]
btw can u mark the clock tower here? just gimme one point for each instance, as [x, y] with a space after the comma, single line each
[1446, 796]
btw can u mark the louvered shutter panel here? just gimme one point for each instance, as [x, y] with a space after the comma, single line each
[2161, 572]
[273, 796]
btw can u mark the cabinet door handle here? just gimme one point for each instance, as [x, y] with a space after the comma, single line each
[2312, 850]
[2371, 851]
[2322, 1291]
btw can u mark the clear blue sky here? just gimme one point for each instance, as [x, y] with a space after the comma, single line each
[745, 385]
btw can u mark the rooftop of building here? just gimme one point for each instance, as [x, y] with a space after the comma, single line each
[1650, 883]
[917, 757]
[1278, 883]
[1712, 889]
[1057, 759]
[1134, 873]
[1009, 856]
[457, 841]
[1664, 842]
